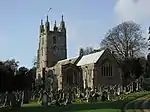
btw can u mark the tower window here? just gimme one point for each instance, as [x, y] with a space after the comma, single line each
[54, 40]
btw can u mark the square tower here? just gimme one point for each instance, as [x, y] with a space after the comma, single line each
[52, 45]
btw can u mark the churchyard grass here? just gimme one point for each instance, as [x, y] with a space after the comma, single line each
[106, 106]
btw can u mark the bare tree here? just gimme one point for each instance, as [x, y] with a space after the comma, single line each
[125, 40]
[81, 52]
[86, 51]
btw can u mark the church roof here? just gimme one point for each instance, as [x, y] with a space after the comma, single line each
[90, 58]
[58, 65]
[66, 61]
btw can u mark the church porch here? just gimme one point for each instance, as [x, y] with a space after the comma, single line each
[71, 76]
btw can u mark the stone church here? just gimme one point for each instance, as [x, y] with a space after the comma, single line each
[93, 70]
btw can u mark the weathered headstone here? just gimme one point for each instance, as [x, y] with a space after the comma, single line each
[132, 86]
[137, 85]
[124, 89]
[25, 97]
[2, 99]
[45, 99]
[104, 96]
[87, 94]
[40, 96]
[95, 95]
[7, 99]
[112, 94]
[66, 98]
[50, 96]
[118, 90]
[13, 101]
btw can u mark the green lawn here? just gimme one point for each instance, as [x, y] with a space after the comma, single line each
[84, 107]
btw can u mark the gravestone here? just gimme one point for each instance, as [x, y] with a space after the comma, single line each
[118, 90]
[44, 99]
[78, 93]
[100, 89]
[2, 99]
[7, 99]
[40, 96]
[57, 97]
[66, 98]
[61, 97]
[111, 94]
[13, 101]
[104, 96]
[50, 96]
[73, 95]
[25, 97]
[132, 86]
[124, 89]
[81, 96]
[70, 97]
[137, 85]
[95, 95]
[87, 94]
[128, 89]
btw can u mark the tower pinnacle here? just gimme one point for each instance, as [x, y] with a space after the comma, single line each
[41, 21]
[55, 27]
[47, 26]
[62, 18]
[47, 18]
[62, 25]
[41, 27]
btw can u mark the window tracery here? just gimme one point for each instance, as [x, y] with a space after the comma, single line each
[106, 69]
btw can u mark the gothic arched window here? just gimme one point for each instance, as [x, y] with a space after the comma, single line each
[54, 39]
[106, 69]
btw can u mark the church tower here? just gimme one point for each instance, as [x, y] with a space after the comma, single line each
[52, 45]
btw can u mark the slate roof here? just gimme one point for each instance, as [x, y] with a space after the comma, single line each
[66, 61]
[58, 65]
[90, 58]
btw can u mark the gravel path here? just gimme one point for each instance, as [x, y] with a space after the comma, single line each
[141, 104]
[146, 105]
